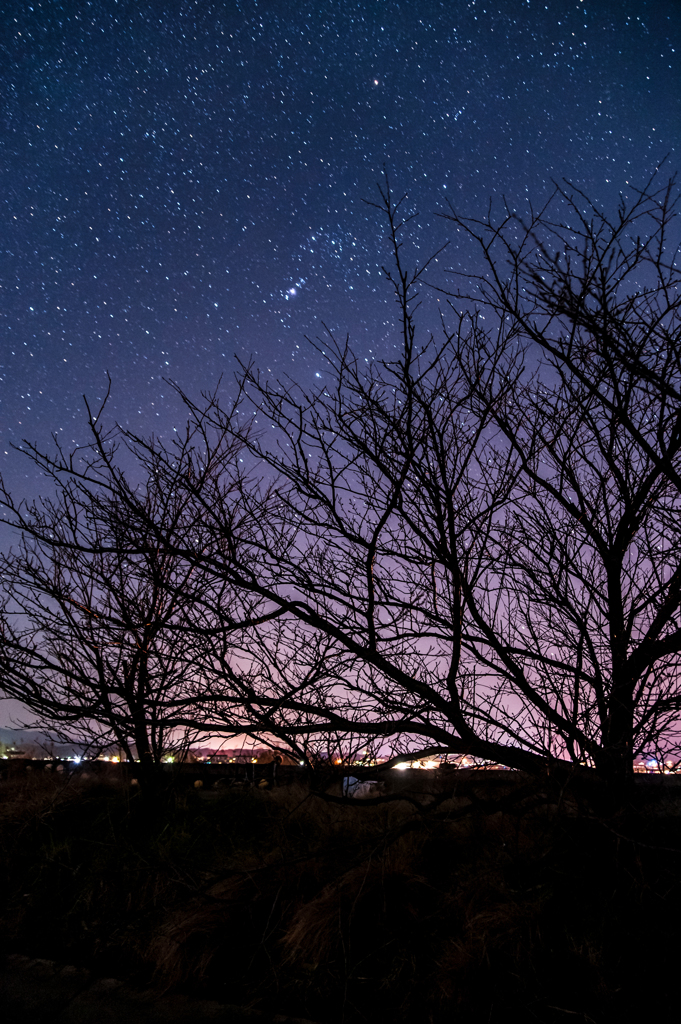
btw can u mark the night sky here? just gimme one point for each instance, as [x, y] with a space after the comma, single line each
[183, 183]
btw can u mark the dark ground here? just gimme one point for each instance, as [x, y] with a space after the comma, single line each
[507, 899]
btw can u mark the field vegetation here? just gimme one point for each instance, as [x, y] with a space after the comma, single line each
[494, 902]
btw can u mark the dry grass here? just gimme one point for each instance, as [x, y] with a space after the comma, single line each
[343, 913]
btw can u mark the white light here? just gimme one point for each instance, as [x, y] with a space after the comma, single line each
[428, 765]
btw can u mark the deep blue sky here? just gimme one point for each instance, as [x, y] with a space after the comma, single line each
[183, 182]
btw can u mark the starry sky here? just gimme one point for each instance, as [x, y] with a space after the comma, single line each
[183, 183]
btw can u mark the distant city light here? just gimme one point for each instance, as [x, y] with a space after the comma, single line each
[424, 763]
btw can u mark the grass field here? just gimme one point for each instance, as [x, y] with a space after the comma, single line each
[464, 909]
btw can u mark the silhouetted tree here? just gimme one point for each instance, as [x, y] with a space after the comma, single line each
[388, 492]
[589, 626]
[486, 530]
[99, 619]
[470, 549]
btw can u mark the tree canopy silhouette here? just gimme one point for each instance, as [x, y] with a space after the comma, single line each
[474, 547]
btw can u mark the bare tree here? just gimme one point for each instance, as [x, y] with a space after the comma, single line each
[388, 492]
[91, 639]
[488, 539]
[471, 549]
[589, 630]
[100, 619]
